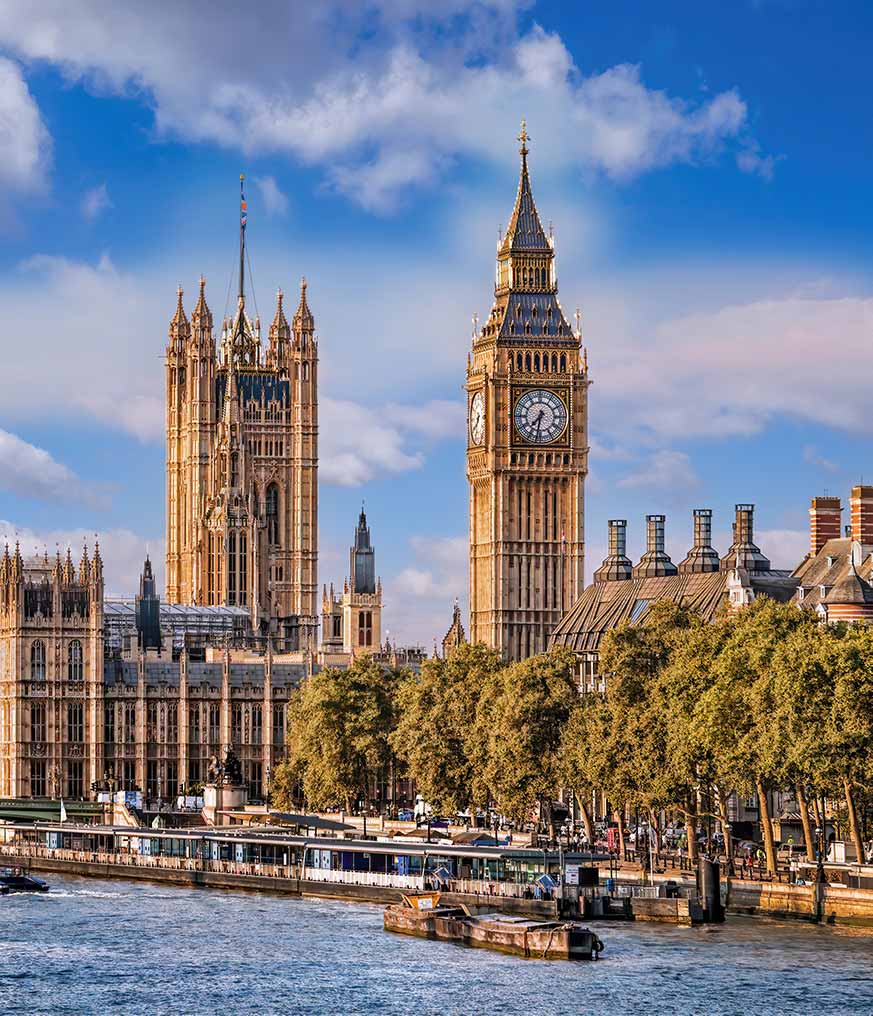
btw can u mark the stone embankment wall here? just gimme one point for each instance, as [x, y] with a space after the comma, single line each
[807, 902]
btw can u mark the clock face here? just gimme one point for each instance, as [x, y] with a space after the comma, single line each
[540, 416]
[477, 419]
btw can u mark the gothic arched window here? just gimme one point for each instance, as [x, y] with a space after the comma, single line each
[234, 470]
[527, 361]
[37, 660]
[554, 362]
[536, 361]
[563, 362]
[519, 361]
[273, 515]
[74, 661]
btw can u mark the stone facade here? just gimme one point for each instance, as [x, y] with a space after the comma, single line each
[527, 455]
[76, 710]
[351, 624]
[242, 467]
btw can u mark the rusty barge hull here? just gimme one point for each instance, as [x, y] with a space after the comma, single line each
[550, 940]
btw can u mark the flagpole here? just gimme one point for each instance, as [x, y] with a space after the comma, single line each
[242, 237]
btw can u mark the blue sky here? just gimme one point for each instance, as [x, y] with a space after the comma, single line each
[706, 168]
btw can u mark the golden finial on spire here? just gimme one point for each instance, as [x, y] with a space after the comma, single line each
[523, 137]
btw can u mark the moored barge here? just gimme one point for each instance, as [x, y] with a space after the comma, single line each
[421, 914]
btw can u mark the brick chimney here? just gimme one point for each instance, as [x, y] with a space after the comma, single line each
[824, 522]
[655, 562]
[702, 557]
[616, 565]
[861, 510]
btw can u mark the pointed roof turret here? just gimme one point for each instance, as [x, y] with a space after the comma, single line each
[280, 326]
[201, 314]
[84, 566]
[303, 320]
[525, 231]
[180, 329]
[97, 569]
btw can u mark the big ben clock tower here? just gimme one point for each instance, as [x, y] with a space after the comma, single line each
[527, 445]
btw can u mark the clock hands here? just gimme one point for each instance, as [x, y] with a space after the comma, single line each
[539, 424]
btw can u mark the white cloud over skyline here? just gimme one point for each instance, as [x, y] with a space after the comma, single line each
[384, 117]
[29, 471]
[122, 551]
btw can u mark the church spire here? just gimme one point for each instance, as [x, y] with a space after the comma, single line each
[525, 231]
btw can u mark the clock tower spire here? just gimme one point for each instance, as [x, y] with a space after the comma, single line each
[527, 444]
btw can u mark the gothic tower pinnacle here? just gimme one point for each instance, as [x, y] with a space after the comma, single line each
[527, 443]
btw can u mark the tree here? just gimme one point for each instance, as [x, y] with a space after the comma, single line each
[629, 743]
[339, 726]
[435, 731]
[520, 721]
[742, 702]
[850, 724]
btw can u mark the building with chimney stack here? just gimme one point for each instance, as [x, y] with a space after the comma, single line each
[623, 592]
[836, 576]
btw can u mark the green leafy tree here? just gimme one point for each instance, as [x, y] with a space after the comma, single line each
[339, 726]
[520, 721]
[435, 735]
[850, 725]
[629, 741]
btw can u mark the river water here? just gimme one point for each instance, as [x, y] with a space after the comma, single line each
[91, 946]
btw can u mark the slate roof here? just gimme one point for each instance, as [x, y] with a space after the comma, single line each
[253, 386]
[828, 577]
[523, 309]
[605, 605]
[525, 231]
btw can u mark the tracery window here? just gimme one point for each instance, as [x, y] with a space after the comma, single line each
[74, 661]
[273, 515]
[37, 660]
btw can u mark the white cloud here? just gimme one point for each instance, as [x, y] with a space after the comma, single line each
[95, 202]
[29, 471]
[357, 442]
[24, 140]
[419, 598]
[666, 469]
[275, 202]
[95, 345]
[786, 548]
[812, 455]
[122, 551]
[383, 96]
[729, 370]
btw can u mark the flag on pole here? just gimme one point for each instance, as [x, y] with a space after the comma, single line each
[63, 811]
[243, 215]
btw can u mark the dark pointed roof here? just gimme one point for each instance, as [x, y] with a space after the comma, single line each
[525, 231]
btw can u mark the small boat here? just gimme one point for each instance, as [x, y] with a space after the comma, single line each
[16, 880]
[421, 914]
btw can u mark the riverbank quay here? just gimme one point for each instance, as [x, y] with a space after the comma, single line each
[530, 882]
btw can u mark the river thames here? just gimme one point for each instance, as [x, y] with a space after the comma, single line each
[98, 947]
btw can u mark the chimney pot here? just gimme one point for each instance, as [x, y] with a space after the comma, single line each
[655, 562]
[616, 565]
[824, 522]
[861, 511]
[702, 557]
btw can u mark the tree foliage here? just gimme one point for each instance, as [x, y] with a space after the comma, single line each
[339, 726]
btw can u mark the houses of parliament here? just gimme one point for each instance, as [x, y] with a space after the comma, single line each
[140, 693]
